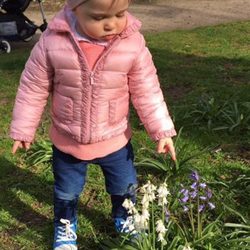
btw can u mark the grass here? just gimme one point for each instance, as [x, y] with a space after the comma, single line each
[211, 60]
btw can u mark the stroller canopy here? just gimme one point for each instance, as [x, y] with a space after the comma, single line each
[15, 6]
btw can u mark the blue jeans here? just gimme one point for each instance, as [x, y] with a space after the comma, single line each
[70, 175]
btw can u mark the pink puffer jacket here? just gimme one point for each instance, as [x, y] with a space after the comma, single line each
[89, 105]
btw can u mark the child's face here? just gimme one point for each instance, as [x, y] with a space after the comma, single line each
[102, 19]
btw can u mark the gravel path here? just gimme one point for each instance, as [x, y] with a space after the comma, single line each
[167, 15]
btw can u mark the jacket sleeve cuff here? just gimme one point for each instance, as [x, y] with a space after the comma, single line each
[160, 135]
[21, 137]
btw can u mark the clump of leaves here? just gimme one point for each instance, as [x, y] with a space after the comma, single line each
[235, 117]
[228, 115]
[207, 110]
[40, 153]
[163, 163]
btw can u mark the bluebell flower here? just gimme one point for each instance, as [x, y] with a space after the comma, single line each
[201, 207]
[194, 185]
[196, 191]
[184, 191]
[193, 194]
[203, 185]
[184, 199]
[194, 176]
[167, 215]
[203, 198]
[209, 193]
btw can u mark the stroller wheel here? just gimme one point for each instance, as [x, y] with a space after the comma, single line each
[28, 39]
[4, 46]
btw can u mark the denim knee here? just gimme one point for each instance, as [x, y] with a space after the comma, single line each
[64, 195]
[69, 175]
[127, 192]
[119, 171]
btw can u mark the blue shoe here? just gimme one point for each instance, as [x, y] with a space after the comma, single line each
[125, 226]
[65, 236]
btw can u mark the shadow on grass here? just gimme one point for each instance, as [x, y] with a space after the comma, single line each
[14, 183]
[186, 77]
[36, 213]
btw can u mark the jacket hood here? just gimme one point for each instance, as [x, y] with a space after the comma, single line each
[60, 23]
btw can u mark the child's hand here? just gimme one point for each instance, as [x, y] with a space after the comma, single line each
[20, 144]
[166, 145]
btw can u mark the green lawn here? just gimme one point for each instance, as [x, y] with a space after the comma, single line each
[210, 64]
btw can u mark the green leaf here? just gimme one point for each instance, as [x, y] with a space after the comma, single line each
[235, 212]
[235, 225]
[174, 243]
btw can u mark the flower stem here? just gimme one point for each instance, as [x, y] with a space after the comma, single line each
[191, 217]
[163, 220]
[198, 218]
[153, 225]
[179, 226]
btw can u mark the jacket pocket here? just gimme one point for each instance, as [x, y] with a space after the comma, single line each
[62, 107]
[118, 109]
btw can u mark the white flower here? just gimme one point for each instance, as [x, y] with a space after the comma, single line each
[137, 219]
[145, 214]
[162, 201]
[131, 227]
[161, 237]
[149, 189]
[129, 205]
[161, 230]
[147, 198]
[140, 222]
[163, 192]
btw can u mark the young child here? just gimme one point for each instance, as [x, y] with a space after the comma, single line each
[91, 60]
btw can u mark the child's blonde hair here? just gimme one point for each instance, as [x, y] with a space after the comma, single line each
[74, 3]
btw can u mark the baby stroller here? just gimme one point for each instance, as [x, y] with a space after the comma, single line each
[14, 25]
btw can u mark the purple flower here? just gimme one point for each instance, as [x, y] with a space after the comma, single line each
[194, 176]
[185, 193]
[167, 215]
[184, 199]
[196, 190]
[211, 205]
[209, 193]
[203, 198]
[194, 185]
[193, 194]
[201, 208]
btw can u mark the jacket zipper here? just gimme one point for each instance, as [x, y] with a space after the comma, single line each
[91, 79]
